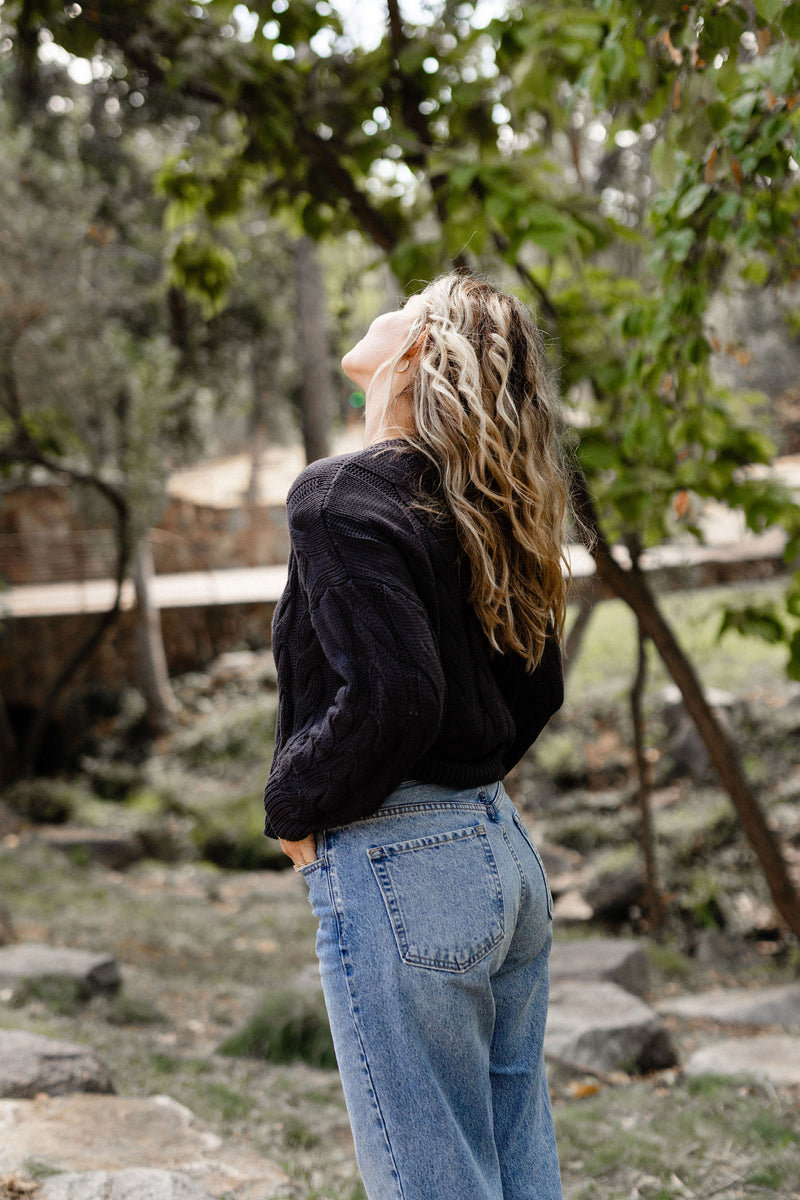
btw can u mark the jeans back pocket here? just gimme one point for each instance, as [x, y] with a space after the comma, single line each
[443, 897]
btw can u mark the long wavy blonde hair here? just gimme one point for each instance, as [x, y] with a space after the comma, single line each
[486, 419]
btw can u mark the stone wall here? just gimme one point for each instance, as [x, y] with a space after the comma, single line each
[33, 649]
[46, 538]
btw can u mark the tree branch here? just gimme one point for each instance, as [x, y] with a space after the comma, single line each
[635, 592]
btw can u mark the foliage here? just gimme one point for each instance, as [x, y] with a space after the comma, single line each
[624, 162]
[289, 1026]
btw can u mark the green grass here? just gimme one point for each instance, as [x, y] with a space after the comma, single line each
[290, 1026]
[710, 1135]
[606, 662]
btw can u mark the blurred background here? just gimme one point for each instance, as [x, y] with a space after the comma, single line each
[202, 206]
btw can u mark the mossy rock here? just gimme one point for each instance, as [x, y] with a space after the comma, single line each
[44, 801]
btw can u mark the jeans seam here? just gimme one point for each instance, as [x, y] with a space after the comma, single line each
[344, 958]
[507, 840]
[395, 809]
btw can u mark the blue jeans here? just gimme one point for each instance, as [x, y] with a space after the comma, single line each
[435, 925]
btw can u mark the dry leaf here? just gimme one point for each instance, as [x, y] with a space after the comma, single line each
[681, 504]
[772, 99]
[579, 1091]
[736, 168]
[676, 96]
[708, 174]
[763, 37]
[674, 53]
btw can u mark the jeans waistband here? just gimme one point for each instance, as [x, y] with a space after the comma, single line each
[414, 793]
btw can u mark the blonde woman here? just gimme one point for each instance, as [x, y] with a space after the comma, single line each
[417, 646]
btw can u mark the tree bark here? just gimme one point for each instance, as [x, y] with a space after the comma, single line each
[8, 746]
[633, 589]
[655, 904]
[150, 657]
[316, 390]
[590, 593]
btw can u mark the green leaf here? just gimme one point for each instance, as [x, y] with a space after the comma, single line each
[692, 199]
[751, 621]
[769, 10]
[756, 272]
[612, 60]
[790, 21]
[793, 666]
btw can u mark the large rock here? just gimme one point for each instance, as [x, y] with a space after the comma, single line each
[740, 1006]
[612, 895]
[83, 1133]
[136, 1184]
[771, 1057]
[88, 971]
[598, 1027]
[31, 1064]
[617, 960]
[110, 848]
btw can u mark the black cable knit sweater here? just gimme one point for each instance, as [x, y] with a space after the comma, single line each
[384, 672]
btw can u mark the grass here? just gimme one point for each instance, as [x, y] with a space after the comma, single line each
[734, 663]
[701, 1137]
[290, 1026]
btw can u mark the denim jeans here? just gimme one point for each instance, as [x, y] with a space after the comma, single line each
[435, 925]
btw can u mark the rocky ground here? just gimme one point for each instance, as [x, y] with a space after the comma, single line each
[148, 935]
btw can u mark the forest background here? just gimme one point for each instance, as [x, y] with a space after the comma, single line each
[184, 184]
[202, 205]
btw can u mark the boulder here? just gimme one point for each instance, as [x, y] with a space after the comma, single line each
[108, 847]
[595, 1026]
[740, 1006]
[84, 1133]
[618, 960]
[571, 907]
[31, 1064]
[7, 931]
[36, 961]
[136, 1184]
[613, 894]
[774, 1058]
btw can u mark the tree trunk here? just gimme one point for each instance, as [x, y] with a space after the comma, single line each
[8, 746]
[633, 589]
[316, 390]
[655, 904]
[590, 593]
[85, 649]
[150, 657]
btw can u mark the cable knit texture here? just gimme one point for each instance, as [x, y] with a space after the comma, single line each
[384, 672]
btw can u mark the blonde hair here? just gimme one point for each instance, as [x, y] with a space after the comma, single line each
[486, 419]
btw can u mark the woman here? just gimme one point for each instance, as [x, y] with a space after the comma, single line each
[418, 659]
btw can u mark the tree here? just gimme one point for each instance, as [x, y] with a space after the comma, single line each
[508, 147]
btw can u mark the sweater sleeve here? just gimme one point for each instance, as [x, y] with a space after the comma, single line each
[352, 558]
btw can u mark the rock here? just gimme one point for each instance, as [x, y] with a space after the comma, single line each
[107, 847]
[740, 1006]
[10, 820]
[558, 860]
[84, 1133]
[571, 906]
[620, 961]
[771, 1057]
[31, 1064]
[613, 894]
[684, 748]
[7, 931]
[136, 1184]
[35, 961]
[596, 1026]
